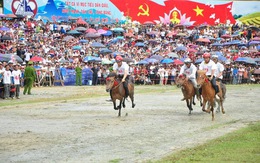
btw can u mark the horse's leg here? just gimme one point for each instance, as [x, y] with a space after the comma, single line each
[132, 99]
[218, 108]
[193, 100]
[188, 105]
[124, 102]
[114, 103]
[119, 108]
[212, 110]
[204, 105]
[222, 107]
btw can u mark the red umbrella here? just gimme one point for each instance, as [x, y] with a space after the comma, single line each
[203, 40]
[178, 62]
[148, 23]
[36, 59]
[91, 30]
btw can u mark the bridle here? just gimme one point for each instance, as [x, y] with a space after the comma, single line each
[114, 83]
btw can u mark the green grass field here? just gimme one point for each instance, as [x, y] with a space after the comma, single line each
[240, 146]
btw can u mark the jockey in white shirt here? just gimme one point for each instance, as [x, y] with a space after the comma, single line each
[122, 70]
[210, 67]
[189, 70]
[219, 74]
[220, 68]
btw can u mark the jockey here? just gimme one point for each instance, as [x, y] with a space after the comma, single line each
[220, 68]
[121, 69]
[189, 70]
[219, 73]
[210, 68]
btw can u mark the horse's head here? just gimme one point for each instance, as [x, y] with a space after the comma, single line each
[201, 78]
[180, 80]
[111, 81]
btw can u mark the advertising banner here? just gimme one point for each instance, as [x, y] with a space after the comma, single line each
[186, 12]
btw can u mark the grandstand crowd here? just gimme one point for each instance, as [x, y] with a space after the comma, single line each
[155, 52]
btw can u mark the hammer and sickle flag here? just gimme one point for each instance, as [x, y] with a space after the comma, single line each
[142, 11]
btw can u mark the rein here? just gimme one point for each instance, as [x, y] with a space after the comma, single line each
[116, 86]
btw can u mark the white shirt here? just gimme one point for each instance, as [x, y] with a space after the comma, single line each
[28, 56]
[208, 67]
[17, 75]
[121, 70]
[220, 69]
[7, 77]
[190, 72]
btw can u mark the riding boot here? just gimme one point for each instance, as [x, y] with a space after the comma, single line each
[126, 89]
[197, 93]
[216, 89]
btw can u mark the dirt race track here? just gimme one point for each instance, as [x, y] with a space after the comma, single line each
[88, 129]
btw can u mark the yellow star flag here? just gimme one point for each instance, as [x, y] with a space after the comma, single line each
[198, 11]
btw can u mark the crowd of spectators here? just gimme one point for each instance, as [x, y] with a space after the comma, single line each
[154, 52]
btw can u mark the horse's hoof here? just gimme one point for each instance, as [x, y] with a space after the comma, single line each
[116, 108]
[133, 105]
[123, 106]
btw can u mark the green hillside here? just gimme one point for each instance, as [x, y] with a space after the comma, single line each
[251, 19]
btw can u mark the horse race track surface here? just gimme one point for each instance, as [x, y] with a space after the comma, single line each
[88, 129]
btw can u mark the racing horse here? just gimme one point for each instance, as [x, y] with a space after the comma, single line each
[208, 93]
[187, 89]
[114, 85]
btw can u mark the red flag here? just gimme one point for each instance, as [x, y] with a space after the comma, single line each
[176, 11]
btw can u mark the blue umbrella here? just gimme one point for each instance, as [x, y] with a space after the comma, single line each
[4, 29]
[198, 61]
[167, 60]
[158, 57]
[139, 44]
[257, 59]
[76, 47]
[117, 53]
[118, 30]
[222, 58]
[241, 59]
[83, 41]
[151, 60]
[105, 50]
[92, 59]
[142, 62]
[181, 48]
[258, 47]
[235, 42]
[74, 32]
[227, 44]
[217, 44]
[254, 42]
[97, 45]
[108, 33]
[250, 60]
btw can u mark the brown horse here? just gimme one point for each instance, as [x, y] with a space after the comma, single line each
[188, 90]
[208, 93]
[115, 86]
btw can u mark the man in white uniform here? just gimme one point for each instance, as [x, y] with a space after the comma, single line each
[220, 68]
[122, 70]
[189, 70]
[219, 73]
[210, 67]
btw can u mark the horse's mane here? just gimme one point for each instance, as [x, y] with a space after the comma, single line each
[112, 74]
